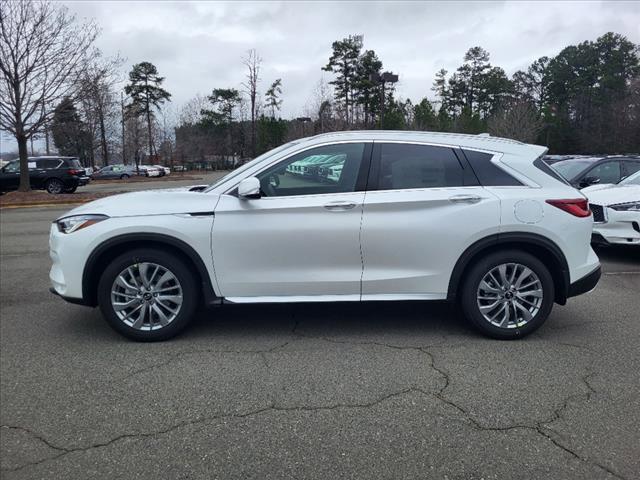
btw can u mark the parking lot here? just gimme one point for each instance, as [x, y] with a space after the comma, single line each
[391, 390]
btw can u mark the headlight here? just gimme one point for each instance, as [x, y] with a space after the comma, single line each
[626, 207]
[77, 222]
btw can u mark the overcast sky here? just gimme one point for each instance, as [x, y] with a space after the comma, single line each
[198, 46]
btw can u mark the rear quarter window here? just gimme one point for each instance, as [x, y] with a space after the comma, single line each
[489, 174]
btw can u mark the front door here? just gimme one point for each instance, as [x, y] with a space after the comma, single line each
[302, 237]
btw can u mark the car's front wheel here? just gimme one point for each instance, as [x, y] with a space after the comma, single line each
[508, 295]
[148, 294]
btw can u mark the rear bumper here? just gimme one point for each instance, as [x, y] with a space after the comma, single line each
[585, 284]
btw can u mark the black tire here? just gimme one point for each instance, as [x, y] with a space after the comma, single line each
[54, 186]
[167, 260]
[70, 189]
[469, 294]
[124, 176]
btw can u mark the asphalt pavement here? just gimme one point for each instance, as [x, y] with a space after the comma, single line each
[387, 390]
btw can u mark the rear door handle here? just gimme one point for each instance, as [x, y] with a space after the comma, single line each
[465, 198]
[339, 206]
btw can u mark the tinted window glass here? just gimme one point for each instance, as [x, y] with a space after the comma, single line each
[405, 166]
[489, 174]
[608, 172]
[631, 167]
[327, 169]
[569, 169]
[48, 163]
[12, 167]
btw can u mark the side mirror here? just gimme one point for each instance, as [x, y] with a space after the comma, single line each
[249, 188]
[586, 181]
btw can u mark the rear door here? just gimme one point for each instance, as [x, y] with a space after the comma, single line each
[422, 209]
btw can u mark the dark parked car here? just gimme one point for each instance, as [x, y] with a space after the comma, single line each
[53, 174]
[582, 172]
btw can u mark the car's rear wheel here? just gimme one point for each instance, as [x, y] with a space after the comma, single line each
[70, 189]
[124, 176]
[54, 186]
[508, 295]
[148, 295]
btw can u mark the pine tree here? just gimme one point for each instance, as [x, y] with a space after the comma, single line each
[146, 93]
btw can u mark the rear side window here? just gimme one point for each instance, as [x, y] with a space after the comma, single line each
[48, 163]
[489, 174]
[406, 166]
[73, 163]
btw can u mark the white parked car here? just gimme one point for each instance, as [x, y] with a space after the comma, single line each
[616, 211]
[477, 220]
[162, 169]
[150, 171]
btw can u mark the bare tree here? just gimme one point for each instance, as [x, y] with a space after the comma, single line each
[42, 50]
[252, 61]
[518, 120]
[96, 90]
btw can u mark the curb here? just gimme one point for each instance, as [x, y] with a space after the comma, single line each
[35, 205]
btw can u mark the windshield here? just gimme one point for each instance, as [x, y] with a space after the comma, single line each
[571, 168]
[631, 179]
[250, 164]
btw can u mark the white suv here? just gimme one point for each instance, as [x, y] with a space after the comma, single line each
[478, 220]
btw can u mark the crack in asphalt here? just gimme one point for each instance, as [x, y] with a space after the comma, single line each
[541, 428]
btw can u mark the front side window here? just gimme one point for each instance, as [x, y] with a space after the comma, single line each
[608, 172]
[631, 167]
[406, 166]
[320, 170]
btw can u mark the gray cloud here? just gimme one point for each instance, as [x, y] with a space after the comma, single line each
[198, 46]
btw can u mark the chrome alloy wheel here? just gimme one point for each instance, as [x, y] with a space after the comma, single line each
[146, 296]
[510, 295]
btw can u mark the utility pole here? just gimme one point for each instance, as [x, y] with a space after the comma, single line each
[124, 160]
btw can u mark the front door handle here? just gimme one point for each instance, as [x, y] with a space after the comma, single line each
[465, 198]
[339, 206]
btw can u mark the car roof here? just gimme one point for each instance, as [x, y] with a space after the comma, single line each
[482, 141]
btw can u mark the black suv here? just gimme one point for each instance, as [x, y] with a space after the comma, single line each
[53, 174]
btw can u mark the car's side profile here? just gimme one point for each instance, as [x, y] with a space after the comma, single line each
[406, 216]
[54, 174]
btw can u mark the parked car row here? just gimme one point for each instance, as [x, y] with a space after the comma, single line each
[612, 185]
[123, 172]
[324, 167]
[54, 174]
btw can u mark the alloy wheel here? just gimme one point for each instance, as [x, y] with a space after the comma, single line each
[146, 296]
[510, 295]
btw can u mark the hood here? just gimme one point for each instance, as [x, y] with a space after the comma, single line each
[616, 194]
[595, 188]
[149, 202]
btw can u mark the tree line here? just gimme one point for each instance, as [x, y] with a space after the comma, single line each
[58, 87]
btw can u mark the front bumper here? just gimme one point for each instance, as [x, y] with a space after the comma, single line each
[619, 228]
[585, 284]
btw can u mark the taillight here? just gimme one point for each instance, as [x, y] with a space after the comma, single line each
[578, 207]
[75, 172]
